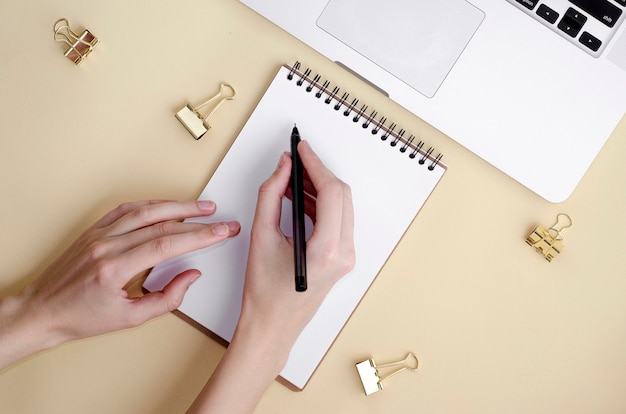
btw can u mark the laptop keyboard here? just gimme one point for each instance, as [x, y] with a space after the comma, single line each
[588, 24]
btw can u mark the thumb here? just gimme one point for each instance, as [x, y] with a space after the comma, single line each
[268, 207]
[155, 304]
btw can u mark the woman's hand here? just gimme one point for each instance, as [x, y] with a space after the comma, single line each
[273, 314]
[270, 300]
[82, 293]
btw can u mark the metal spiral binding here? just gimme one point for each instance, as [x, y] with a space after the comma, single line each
[378, 125]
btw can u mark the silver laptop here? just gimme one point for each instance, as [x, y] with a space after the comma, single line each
[533, 87]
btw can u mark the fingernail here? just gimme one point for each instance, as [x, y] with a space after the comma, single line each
[220, 229]
[206, 205]
[233, 226]
[195, 277]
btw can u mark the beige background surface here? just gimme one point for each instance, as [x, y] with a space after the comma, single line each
[496, 328]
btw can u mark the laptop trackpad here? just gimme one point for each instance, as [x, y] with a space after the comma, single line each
[418, 41]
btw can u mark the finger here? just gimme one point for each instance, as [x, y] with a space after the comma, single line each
[158, 250]
[121, 210]
[152, 213]
[309, 188]
[310, 197]
[310, 207]
[309, 202]
[269, 201]
[128, 241]
[330, 197]
[347, 228]
[155, 304]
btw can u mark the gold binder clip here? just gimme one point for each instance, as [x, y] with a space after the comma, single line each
[196, 124]
[80, 46]
[549, 243]
[370, 378]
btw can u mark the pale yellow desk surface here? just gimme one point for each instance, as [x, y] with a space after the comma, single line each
[496, 328]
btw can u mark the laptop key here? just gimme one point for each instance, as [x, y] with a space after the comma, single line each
[576, 16]
[590, 41]
[572, 22]
[548, 14]
[602, 10]
[529, 4]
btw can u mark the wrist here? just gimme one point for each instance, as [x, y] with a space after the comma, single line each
[258, 341]
[251, 362]
[23, 330]
[275, 329]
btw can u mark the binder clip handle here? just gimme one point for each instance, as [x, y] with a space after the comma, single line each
[220, 97]
[407, 363]
[559, 225]
[194, 122]
[61, 35]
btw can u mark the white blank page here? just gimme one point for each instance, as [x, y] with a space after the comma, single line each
[388, 189]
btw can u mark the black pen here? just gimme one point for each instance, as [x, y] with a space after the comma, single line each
[297, 203]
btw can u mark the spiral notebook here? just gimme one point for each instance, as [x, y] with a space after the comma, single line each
[391, 173]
